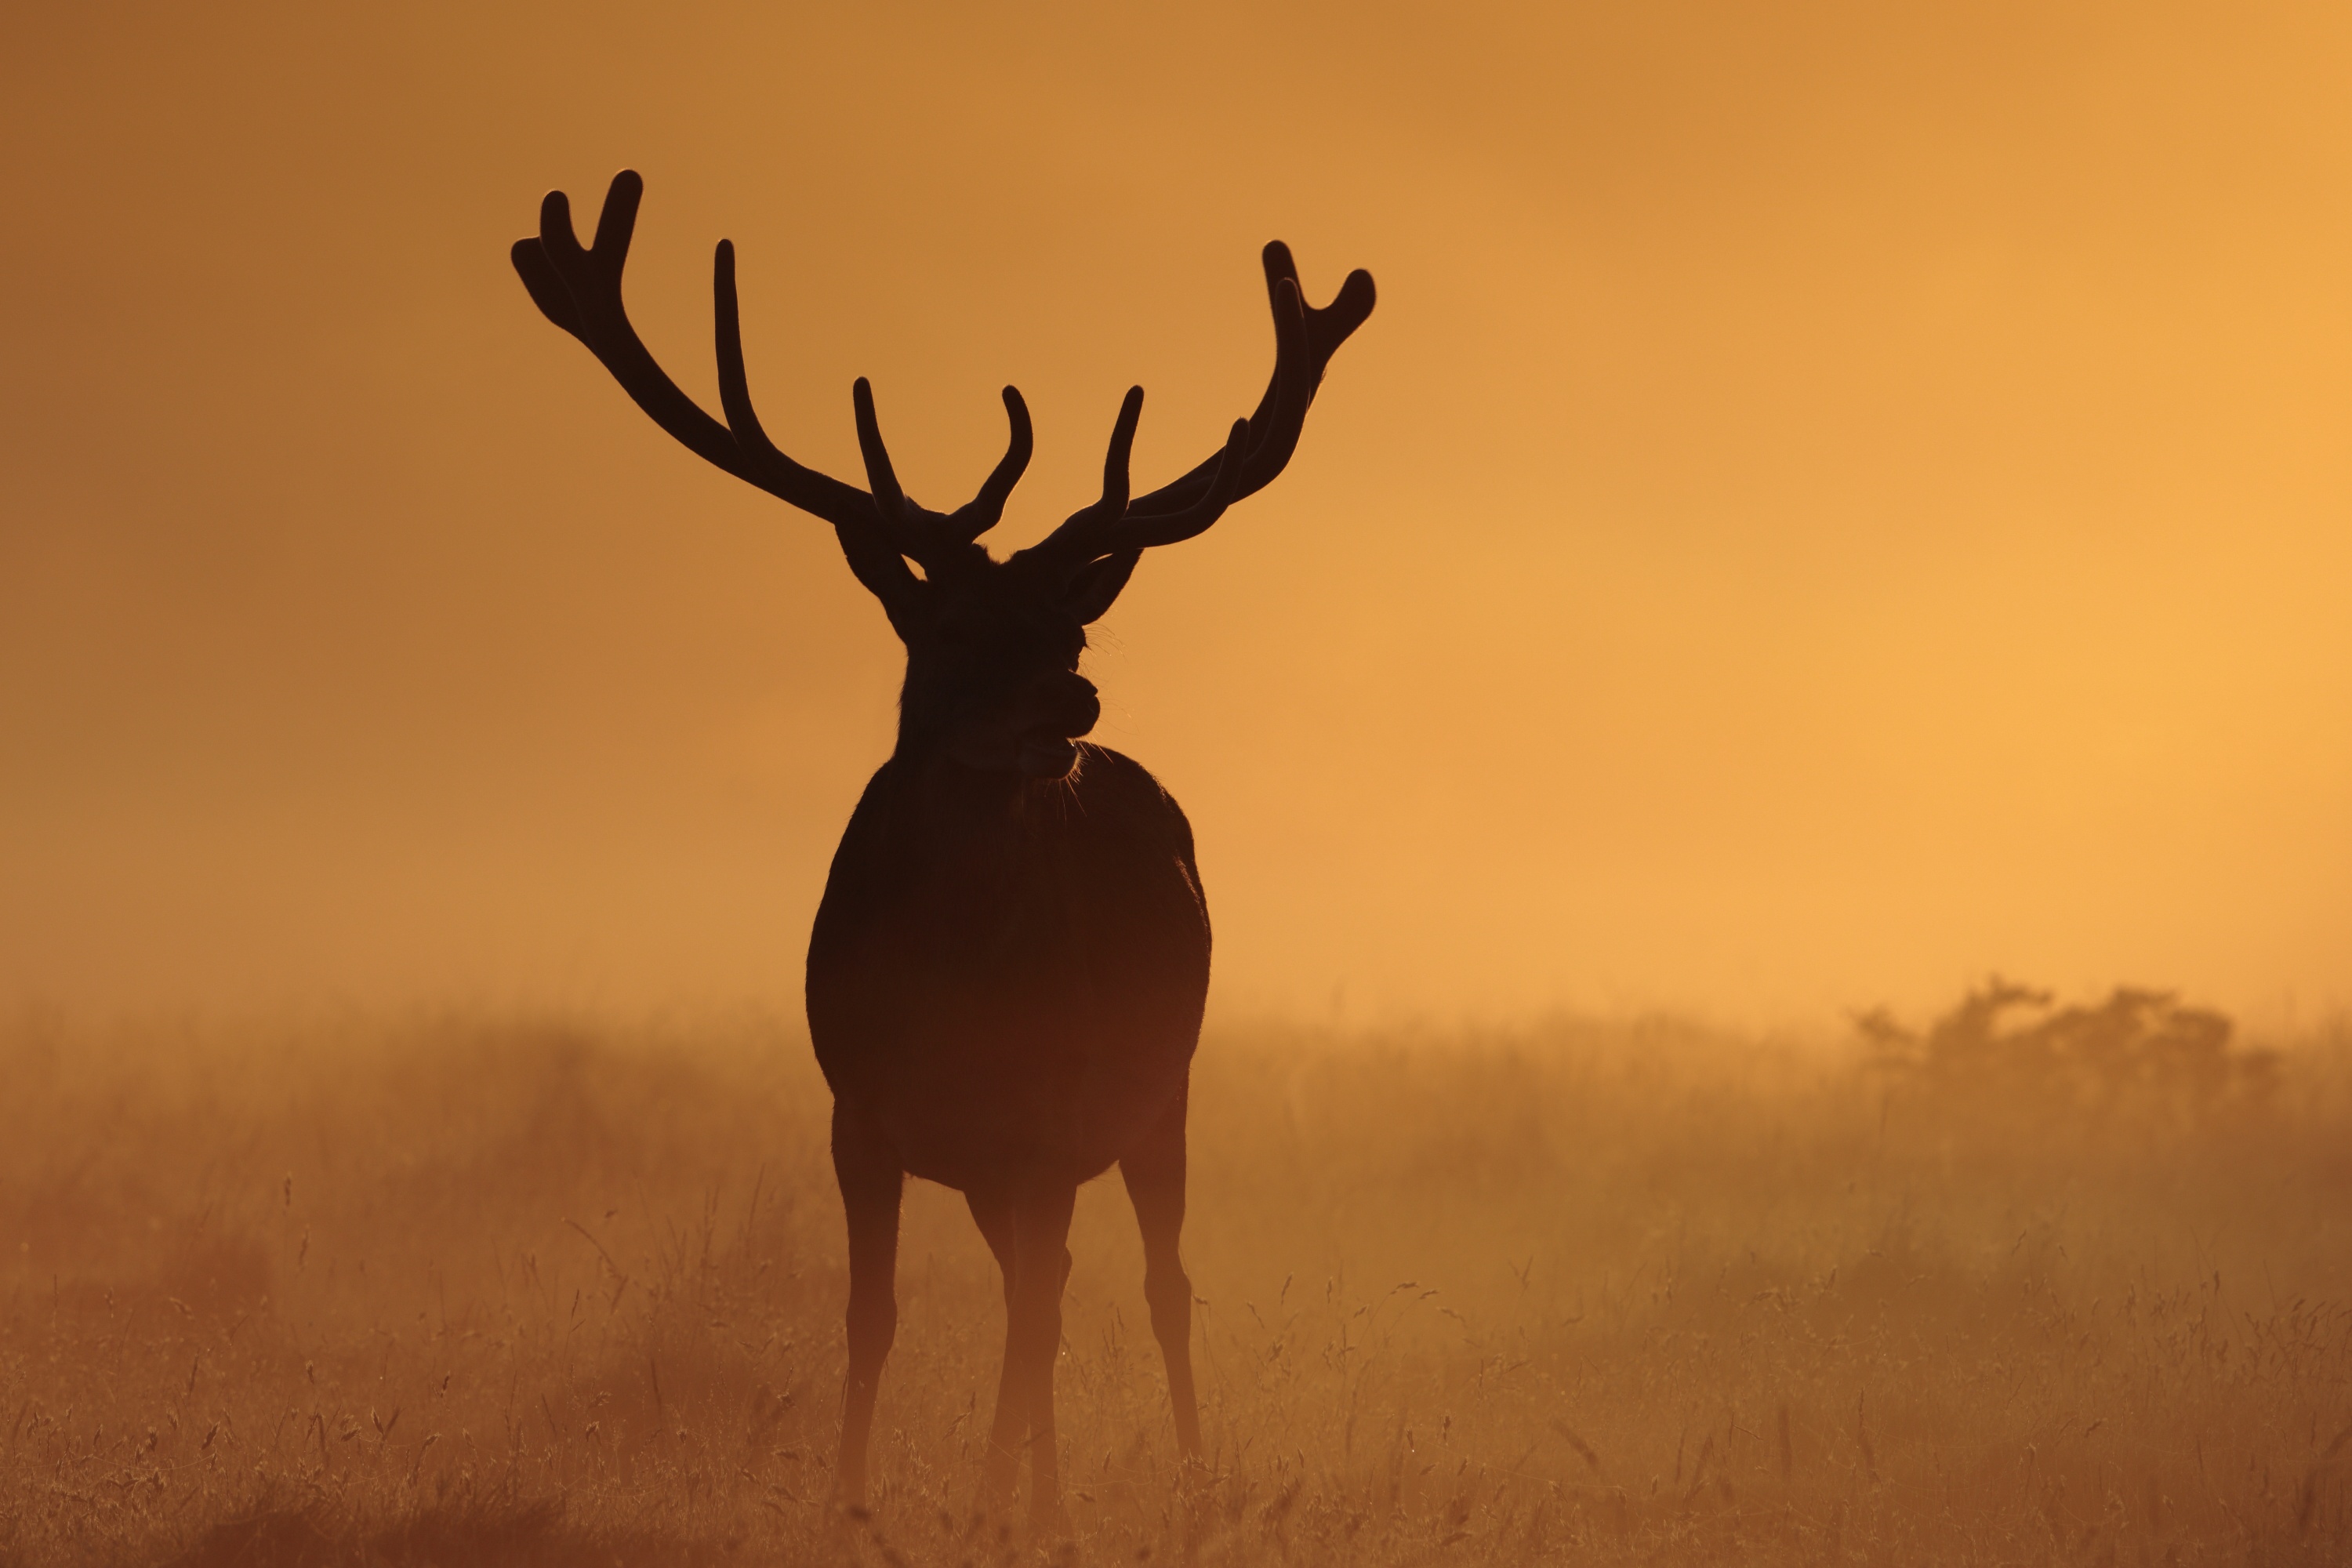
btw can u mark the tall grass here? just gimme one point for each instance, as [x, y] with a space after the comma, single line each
[462, 1290]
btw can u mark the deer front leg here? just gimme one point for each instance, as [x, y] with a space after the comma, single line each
[1040, 1223]
[870, 1181]
[1035, 1222]
[1154, 1172]
[1000, 1469]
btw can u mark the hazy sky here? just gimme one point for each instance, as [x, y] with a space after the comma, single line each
[1834, 500]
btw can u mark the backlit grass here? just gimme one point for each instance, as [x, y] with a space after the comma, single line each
[460, 1289]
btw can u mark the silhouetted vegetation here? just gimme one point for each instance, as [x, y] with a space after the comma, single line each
[2139, 1056]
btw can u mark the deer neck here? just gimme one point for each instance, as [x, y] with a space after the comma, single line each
[953, 796]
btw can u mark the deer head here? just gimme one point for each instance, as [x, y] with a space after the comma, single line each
[993, 645]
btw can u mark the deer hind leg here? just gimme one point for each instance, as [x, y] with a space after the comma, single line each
[1154, 1171]
[1029, 1232]
[870, 1185]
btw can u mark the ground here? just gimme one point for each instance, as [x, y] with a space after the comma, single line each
[466, 1289]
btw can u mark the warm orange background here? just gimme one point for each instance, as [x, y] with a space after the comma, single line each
[1833, 500]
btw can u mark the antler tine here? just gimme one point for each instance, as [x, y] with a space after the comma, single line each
[986, 509]
[544, 284]
[1305, 337]
[1255, 449]
[1078, 540]
[938, 539]
[1111, 526]
[915, 531]
[880, 478]
[1139, 532]
[734, 385]
[1113, 504]
[579, 290]
[873, 554]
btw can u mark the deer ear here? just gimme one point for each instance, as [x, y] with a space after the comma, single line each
[1090, 593]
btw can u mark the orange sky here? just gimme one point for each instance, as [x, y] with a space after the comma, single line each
[1835, 500]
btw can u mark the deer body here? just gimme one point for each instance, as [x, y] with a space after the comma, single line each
[1007, 971]
[1007, 974]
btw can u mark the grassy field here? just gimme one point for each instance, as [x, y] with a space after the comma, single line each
[460, 1291]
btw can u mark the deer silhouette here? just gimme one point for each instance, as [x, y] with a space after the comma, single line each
[1007, 972]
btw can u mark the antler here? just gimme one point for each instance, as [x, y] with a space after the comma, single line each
[579, 290]
[1111, 527]
[1255, 451]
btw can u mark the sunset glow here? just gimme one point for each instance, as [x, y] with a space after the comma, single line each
[1835, 501]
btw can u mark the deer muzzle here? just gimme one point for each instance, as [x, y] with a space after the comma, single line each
[1061, 707]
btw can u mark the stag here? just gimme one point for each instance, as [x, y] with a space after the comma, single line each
[1008, 968]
